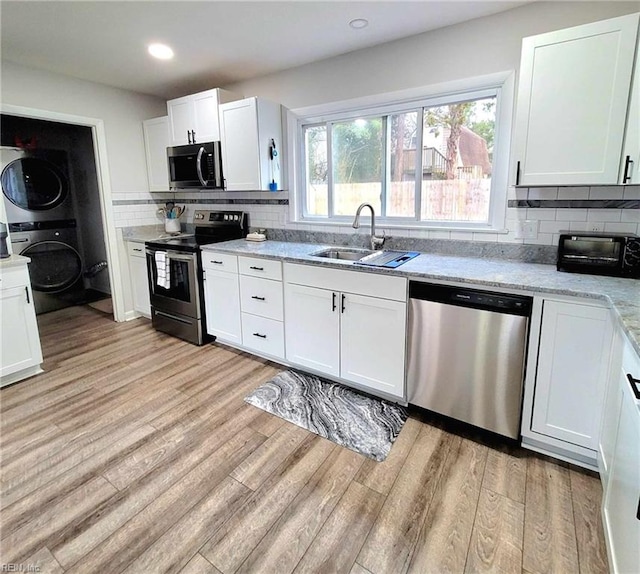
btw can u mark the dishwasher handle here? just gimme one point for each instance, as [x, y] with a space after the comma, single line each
[472, 298]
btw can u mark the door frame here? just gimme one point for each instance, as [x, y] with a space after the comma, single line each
[104, 189]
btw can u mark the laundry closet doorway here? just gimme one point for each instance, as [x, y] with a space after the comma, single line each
[72, 242]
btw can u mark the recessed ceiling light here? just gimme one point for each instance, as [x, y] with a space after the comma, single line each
[359, 23]
[160, 51]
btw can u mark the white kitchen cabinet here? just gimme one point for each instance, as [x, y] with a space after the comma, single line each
[573, 97]
[313, 328]
[621, 501]
[630, 164]
[156, 141]
[248, 129]
[572, 371]
[352, 331]
[139, 278]
[222, 304]
[21, 353]
[194, 118]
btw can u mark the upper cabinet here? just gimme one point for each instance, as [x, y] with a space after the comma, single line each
[251, 134]
[194, 118]
[156, 141]
[573, 98]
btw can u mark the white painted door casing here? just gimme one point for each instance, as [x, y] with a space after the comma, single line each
[139, 279]
[572, 103]
[572, 370]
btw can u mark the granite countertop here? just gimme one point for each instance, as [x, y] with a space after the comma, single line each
[142, 233]
[13, 261]
[622, 294]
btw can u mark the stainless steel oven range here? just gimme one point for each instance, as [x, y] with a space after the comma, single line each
[175, 273]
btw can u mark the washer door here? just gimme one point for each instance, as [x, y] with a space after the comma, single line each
[55, 266]
[34, 184]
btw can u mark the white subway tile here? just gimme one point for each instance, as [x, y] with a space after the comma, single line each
[603, 215]
[462, 235]
[579, 226]
[631, 192]
[606, 192]
[542, 239]
[553, 226]
[437, 234]
[566, 214]
[543, 193]
[541, 214]
[621, 227]
[631, 215]
[492, 237]
[573, 193]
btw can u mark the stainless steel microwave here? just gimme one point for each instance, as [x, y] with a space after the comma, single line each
[600, 253]
[195, 166]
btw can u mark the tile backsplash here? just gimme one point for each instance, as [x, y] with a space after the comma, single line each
[551, 209]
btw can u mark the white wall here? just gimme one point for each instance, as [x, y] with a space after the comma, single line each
[482, 46]
[121, 111]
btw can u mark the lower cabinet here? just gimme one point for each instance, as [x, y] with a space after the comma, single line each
[222, 296]
[566, 383]
[20, 351]
[352, 331]
[621, 501]
[139, 278]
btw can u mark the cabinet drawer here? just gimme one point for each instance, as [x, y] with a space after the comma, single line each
[219, 261]
[264, 335]
[262, 297]
[14, 277]
[267, 268]
[135, 249]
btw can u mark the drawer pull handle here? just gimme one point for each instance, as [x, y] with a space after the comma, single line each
[258, 298]
[259, 335]
[137, 249]
[257, 268]
[217, 262]
[635, 383]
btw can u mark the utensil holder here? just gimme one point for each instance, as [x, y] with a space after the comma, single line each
[172, 225]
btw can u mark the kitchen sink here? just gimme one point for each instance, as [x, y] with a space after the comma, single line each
[343, 253]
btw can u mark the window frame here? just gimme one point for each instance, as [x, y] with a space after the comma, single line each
[500, 85]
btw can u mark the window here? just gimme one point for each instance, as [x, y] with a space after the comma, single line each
[431, 162]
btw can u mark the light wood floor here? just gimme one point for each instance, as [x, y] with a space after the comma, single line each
[134, 452]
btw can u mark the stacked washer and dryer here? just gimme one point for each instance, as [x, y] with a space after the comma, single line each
[42, 224]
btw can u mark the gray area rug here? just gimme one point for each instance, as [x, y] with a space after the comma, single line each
[356, 421]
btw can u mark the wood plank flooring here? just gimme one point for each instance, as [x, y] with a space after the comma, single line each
[135, 452]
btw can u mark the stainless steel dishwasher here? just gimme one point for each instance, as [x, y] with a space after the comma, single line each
[467, 354]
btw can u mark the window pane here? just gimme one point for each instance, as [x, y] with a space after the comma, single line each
[401, 187]
[357, 164]
[457, 148]
[317, 202]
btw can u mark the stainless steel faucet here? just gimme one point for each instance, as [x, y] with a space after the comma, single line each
[376, 242]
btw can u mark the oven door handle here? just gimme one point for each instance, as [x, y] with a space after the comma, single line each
[174, 255]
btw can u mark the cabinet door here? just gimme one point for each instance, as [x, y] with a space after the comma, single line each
[622, 498]
[572, 103]
[373, 343]
[575, 343]
[630, 166]
[139, 281]
[20, 346]
[156, 141]
[239, 132]
[181, 120]
[312, 328]
[206, 124]
[222, 305]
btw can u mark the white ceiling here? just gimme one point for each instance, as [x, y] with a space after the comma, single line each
[216, 43]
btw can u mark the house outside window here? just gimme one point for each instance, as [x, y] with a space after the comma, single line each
[430, 163]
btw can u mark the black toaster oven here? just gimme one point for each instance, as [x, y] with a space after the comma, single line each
[611, 254]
